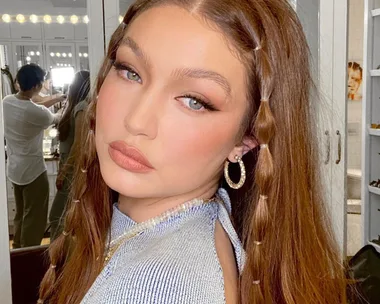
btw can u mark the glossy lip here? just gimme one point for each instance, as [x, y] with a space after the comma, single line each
[128, 158]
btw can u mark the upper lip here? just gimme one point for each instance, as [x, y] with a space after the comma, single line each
[131, 152]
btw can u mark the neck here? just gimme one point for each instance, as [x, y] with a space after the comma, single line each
[24, 95]
[143, 209]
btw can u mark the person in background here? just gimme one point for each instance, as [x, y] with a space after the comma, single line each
[69, 134]
[24, 125]
[44, 97]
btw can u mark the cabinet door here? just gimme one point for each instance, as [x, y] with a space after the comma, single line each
[81, 32]
[27, 52]
[56, 31]
[60, 55]
[5, 31]
[26, 31]
[83, 62]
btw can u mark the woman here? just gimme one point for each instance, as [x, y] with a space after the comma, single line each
[187, 88]
[69, 134]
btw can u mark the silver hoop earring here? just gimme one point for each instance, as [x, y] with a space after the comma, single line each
[242, 174]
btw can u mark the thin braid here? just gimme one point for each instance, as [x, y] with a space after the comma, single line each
[264, 128]
[63, 245]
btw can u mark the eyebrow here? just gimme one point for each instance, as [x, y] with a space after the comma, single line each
[129, 42]
[182, 72]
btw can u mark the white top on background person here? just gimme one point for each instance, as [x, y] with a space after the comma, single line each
[24, 125]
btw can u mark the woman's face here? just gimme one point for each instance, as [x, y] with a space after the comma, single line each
[170, 111]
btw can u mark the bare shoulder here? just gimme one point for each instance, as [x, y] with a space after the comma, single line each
[226, 255]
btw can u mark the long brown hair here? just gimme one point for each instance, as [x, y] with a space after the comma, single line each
[291, 253]
[78, 91]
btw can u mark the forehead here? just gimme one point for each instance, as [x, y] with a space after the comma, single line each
[176, 38]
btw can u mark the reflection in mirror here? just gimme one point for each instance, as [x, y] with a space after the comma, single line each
[41, 122]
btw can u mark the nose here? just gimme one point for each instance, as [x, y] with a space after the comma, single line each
[141, 119]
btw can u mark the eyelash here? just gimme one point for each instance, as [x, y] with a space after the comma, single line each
[119, 67]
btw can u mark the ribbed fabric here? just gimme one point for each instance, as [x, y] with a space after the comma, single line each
[175, 262]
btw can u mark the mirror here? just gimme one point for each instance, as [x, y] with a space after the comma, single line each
[60, 48]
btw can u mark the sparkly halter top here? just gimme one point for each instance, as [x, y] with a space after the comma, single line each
[172, 261]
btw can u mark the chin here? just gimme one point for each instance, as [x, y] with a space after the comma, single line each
[127, 183]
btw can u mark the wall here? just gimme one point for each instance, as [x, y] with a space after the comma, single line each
[38, 7]
[355, 53]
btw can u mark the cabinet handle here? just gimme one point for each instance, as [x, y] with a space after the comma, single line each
[26, 37]
[339, 147]
[59, 38]
[327, 133]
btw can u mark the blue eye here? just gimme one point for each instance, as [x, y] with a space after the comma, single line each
[127, 72]
[193, 103]
[196, 103]
[133, 76]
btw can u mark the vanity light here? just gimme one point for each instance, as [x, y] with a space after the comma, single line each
[31, 53]
[70, 55]
[38, 53]
[58, 54]
[52, 54]
[33, 18]
[74, 19]
[64, 55]
[85, 19]
[47, 19]
[6, 18]
[80, 54]
[60, 19]
[20, 18]
[85, 55]
[28, 58]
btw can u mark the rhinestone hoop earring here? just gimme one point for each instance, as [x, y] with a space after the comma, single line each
[242, 174]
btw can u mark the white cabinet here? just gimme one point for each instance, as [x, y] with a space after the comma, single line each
[5, 31]
[81, 32]
[60, 55]
[83, 62]
[27, 52]
[371, 123]
[26, 31]
[56, 31]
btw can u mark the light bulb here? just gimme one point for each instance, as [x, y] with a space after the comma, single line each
[52, 54]
[65, 65]
[33, 18]
[38, 53]
[85, 19]
[58, 54]
[74, 19]
[47, 19]
[64, 54]
[53, 133]
[6, 18]
[28, 58]
[80, 54]
[121, 19]
[60, 19]
[31, 53]
[20, 18]
[70, 55]
[58, 64]
[85, 55]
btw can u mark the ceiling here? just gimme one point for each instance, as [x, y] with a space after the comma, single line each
[69, 3]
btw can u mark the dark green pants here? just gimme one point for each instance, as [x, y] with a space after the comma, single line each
[58, 208]
[32, 202]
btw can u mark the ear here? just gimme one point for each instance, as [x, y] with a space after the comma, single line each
[247, 144]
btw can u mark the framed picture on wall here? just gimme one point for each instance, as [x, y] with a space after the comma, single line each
[355, 79]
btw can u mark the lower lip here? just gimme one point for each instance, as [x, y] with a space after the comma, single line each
[126, 162]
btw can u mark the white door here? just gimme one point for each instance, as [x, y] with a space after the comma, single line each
[325, 25]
